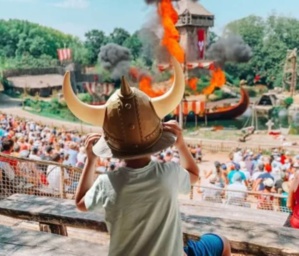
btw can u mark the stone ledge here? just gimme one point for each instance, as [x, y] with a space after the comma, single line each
[248, 237]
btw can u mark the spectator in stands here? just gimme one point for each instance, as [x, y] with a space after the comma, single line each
[81, 157]
[7, 149]
[249, 162]
[54, 174]
[291, 172]
[219, 174]
[47, 156]
[198, 153]
[293, 200]
[258, 171]
[34, 154]
[243, 169]
[265, 202]
[285, 188]
[234, 197]
[237, 156]
[259, 183]
[212, 192]
[16, 150]
[72, 152]
[233, 172]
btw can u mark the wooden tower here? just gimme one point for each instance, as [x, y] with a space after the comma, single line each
[193, 25]
[290, 72]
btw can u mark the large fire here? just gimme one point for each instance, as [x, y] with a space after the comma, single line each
[169, 18]
[145, 85]
[192, 82]
[217, 81]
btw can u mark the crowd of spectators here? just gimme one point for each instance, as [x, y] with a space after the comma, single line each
[244, 171]
[248, 171]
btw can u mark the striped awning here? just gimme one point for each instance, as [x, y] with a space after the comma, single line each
[195, 106]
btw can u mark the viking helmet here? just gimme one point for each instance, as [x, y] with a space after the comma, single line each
[131, 120]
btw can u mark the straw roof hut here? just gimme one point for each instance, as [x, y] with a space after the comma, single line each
[44, 84]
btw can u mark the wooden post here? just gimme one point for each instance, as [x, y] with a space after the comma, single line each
[191, 192]
[62, 185]
[54, 229]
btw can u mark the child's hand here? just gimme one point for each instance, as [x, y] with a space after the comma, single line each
[173, 126]
[91, 139]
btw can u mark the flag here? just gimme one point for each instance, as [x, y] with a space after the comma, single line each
[64, 54]
[201, 33]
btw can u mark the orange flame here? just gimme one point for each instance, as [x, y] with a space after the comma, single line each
[217, 81]
[171, 36]
[192, 82]
[145, 85]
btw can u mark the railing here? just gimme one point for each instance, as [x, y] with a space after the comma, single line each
[217, 146]
[22, 175]
[42, 178]
[248, 199]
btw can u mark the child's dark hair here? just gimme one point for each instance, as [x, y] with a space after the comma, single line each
[7, 144]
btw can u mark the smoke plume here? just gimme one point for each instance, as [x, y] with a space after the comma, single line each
[150, 36]
[229, 49]
[116, 59]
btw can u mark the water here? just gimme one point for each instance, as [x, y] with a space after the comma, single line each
[246, 120]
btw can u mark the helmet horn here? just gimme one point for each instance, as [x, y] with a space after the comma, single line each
[166, 103]
[90, 114]
[125, 88]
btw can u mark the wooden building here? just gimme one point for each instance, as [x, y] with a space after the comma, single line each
[193, 25]
[32, 84]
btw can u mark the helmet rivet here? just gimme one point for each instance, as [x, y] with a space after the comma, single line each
[128, 106]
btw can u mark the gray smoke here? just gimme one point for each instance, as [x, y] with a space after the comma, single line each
[150, 36]
[229, 49]
[116, 59]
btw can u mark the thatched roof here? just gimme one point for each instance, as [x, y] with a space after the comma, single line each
[195, 8]
[36, 82]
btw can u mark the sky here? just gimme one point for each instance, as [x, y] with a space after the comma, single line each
[77, 17]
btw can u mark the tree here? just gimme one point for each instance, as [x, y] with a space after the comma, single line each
[95, 39]
[269, 39]
[134, 44]
[119, 36]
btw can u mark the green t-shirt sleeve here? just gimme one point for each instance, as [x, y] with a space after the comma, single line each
[184, 181]
[95, 196]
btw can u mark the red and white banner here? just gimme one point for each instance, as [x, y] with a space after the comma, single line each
[201, 36]
[195, 106]
[64, 54]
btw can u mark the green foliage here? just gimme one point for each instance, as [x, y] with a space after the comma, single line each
[85, 97]
[119, 36]
[251, 92]
[25, 44]
[134, 44]
[55, 108]
[269, 39]
[95, 39]
[288, 101]
[28, 45]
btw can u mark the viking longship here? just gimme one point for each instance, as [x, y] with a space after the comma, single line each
[202, 112]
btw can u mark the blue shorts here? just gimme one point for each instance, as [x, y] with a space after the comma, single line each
[207, 245]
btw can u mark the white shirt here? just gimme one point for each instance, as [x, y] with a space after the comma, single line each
[234, 197]
[141, 208]
[34, 157]
[53, 177]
